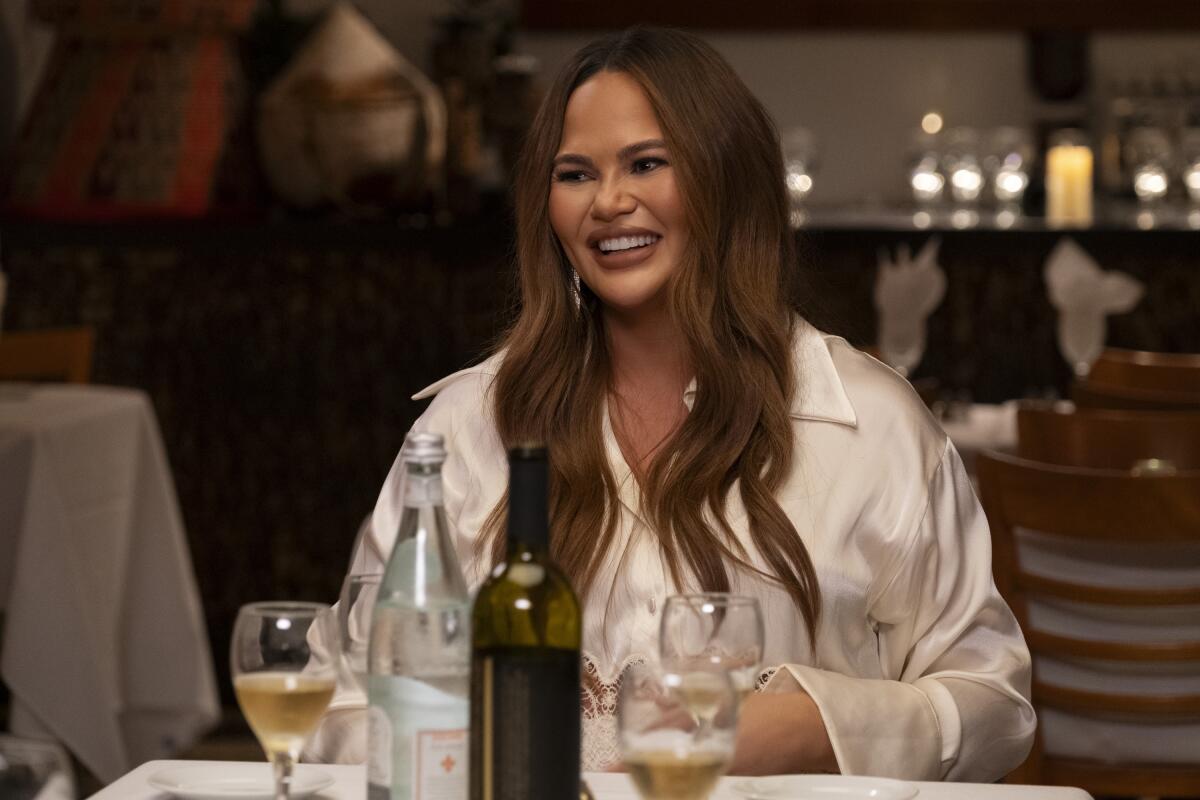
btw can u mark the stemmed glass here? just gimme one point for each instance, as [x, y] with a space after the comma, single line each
[282, 683]
[669, 753]
[355, 605]
[712, 632]
[30, 768]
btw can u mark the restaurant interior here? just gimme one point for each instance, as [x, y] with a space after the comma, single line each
[237, 236]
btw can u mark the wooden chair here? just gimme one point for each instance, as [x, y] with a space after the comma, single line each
[1108, 439]
[52, 354]
[1139, 379]
[1079, 505]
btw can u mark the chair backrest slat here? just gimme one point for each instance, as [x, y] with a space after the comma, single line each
[1110, 439]
[53, 354]
[1177, 373]
[1089, 703]
[1141, 379]
[1108, 595]
[1089, 505]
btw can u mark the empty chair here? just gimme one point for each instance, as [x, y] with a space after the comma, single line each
[1102, 568]
[1109, 439]
[52, 354]
[1139, 379]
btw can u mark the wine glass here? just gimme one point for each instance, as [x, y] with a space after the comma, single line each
[283, 684]
[669, 752]
[1081, 336]
[355, 605]
[800, 164]
[32, 768]
[1150, 158]
[712, 632]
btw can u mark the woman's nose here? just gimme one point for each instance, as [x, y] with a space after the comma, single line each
[612, 200]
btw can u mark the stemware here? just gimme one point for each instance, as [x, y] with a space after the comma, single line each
[282, 682]
[1150, 158]
[1081, 337]
[800, 164]
[30, 768]
[712, 632]
[355, 604]
[670, 754]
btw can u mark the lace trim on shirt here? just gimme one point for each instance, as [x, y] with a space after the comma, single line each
[599, 703]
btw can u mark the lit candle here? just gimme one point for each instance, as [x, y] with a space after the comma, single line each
[1069, 183]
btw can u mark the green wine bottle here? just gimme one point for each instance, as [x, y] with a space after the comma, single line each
[525, 717]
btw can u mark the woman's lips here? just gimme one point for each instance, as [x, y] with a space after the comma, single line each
[621, 259]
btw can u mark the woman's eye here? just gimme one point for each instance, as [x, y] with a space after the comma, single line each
[569, 176]
[647, 164]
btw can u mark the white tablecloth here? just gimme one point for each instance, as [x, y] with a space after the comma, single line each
[350, 784]
[104, 646]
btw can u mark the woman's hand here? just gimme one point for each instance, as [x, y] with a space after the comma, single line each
[781, 734]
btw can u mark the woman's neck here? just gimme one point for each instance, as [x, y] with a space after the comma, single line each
[646, 353]
[649, 375]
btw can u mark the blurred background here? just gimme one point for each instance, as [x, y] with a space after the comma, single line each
[280, 219]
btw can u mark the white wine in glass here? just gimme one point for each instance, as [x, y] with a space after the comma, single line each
[676, 732]
[283, 683]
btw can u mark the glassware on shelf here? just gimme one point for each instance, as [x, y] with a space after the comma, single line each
[1148, 153]
[676, 732]
[961, 166]
[1189, 151]
[1007, 165]
[1081, 335]
[925, 176]
[799, 164]
[1069, 162]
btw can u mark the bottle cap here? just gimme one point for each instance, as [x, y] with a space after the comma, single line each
[424, 448]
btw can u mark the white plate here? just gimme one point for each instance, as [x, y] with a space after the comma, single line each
[249, 781]
[824, 787]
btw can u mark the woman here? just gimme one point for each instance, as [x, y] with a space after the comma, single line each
[705, 437]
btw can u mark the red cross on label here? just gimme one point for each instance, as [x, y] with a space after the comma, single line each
[448, 764]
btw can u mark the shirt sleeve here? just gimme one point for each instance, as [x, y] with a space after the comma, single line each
[958, 707]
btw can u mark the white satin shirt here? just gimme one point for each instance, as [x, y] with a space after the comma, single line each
[920, 669]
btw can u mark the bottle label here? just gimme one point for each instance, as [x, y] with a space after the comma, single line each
[440, 765]
[525, 724]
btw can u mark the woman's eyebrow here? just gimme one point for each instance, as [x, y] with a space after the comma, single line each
[572, 158]
[630, 150]
[624, 154]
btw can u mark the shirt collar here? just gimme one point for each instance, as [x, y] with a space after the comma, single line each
[820, 394]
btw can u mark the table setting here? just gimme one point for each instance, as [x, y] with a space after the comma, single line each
[229, 780]
[677, 718]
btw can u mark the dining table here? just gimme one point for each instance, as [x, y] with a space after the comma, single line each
[348, 782]
[104, 648]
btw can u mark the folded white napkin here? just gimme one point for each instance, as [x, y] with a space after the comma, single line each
[1075, 282]
[907, 290]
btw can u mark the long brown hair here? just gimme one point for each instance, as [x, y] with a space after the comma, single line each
[733, 298]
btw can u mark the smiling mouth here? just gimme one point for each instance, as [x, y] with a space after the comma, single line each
[622, 244]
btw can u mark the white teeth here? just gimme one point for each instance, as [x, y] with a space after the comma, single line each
[627, 242]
